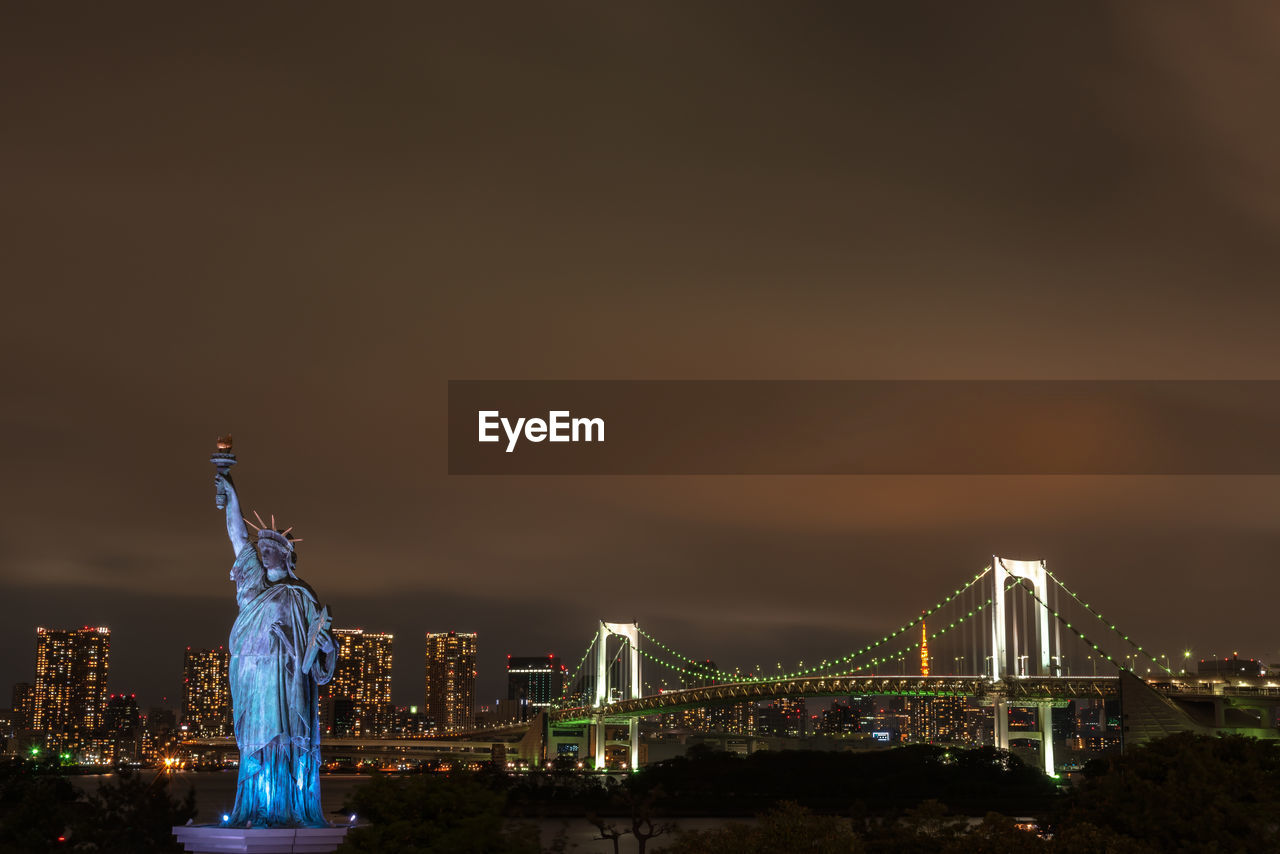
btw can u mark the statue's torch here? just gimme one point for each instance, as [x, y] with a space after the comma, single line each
[223, 460]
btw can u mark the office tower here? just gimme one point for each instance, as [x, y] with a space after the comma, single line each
[451, 679]
[71, 683]
[534, 683]
[206, 692]
[357, 701]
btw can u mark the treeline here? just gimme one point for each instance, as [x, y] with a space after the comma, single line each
[1184, 793]
[707, 782]
[40, 810]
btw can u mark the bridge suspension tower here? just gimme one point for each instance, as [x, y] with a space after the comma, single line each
[617, 677]
[1006, 662]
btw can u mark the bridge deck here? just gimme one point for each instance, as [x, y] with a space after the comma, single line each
[1030, 689]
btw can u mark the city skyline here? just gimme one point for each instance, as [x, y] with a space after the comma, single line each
[213, 228]
[1017, 653]
[366, 668]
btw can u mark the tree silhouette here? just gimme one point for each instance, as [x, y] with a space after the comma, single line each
[132, 814]
[434, 814]
[1184, 792]
[36, 804]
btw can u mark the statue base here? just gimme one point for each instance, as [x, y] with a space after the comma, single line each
[219, 839]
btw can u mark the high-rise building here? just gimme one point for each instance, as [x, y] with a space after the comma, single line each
[534, 682]
[844, 717]
[206, 692]
[70, 699]
[740, 718]
[937, 719]
[161, 732]
[122, 713]
[785, 716]
[357, 701]
[122, 728]
[451, 679]
[24, 708]
[410, 722]
[699, 718]
[1065, 722]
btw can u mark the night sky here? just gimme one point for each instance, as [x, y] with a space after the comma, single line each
[298, 223]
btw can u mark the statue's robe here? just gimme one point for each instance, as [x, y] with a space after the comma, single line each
[274, 700]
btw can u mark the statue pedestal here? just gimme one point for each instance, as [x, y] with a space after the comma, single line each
[218, 839]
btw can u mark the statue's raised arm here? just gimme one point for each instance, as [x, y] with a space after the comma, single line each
[236, 528]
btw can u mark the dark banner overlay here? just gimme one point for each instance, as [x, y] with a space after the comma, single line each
[863, 427]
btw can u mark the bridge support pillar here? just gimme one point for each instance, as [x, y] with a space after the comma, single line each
[1044, 717]
[1001, 733]
[1044, 733]
[635, 744]
[600, 736]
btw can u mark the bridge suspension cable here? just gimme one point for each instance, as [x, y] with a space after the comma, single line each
[828, 667]
[1063, 621]
[578, 671]
[894, 656]
[1110, 625]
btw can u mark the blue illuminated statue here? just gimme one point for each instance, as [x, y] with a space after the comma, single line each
[282, 648]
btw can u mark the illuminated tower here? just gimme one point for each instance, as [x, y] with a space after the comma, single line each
[70, 700]
[924, 648]
[359, 695]
[206, 692]
[451, 679]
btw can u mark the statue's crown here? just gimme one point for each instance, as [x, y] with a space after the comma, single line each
[276, 536]
[269, 532]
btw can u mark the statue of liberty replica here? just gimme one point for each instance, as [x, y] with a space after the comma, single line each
[282, 649]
